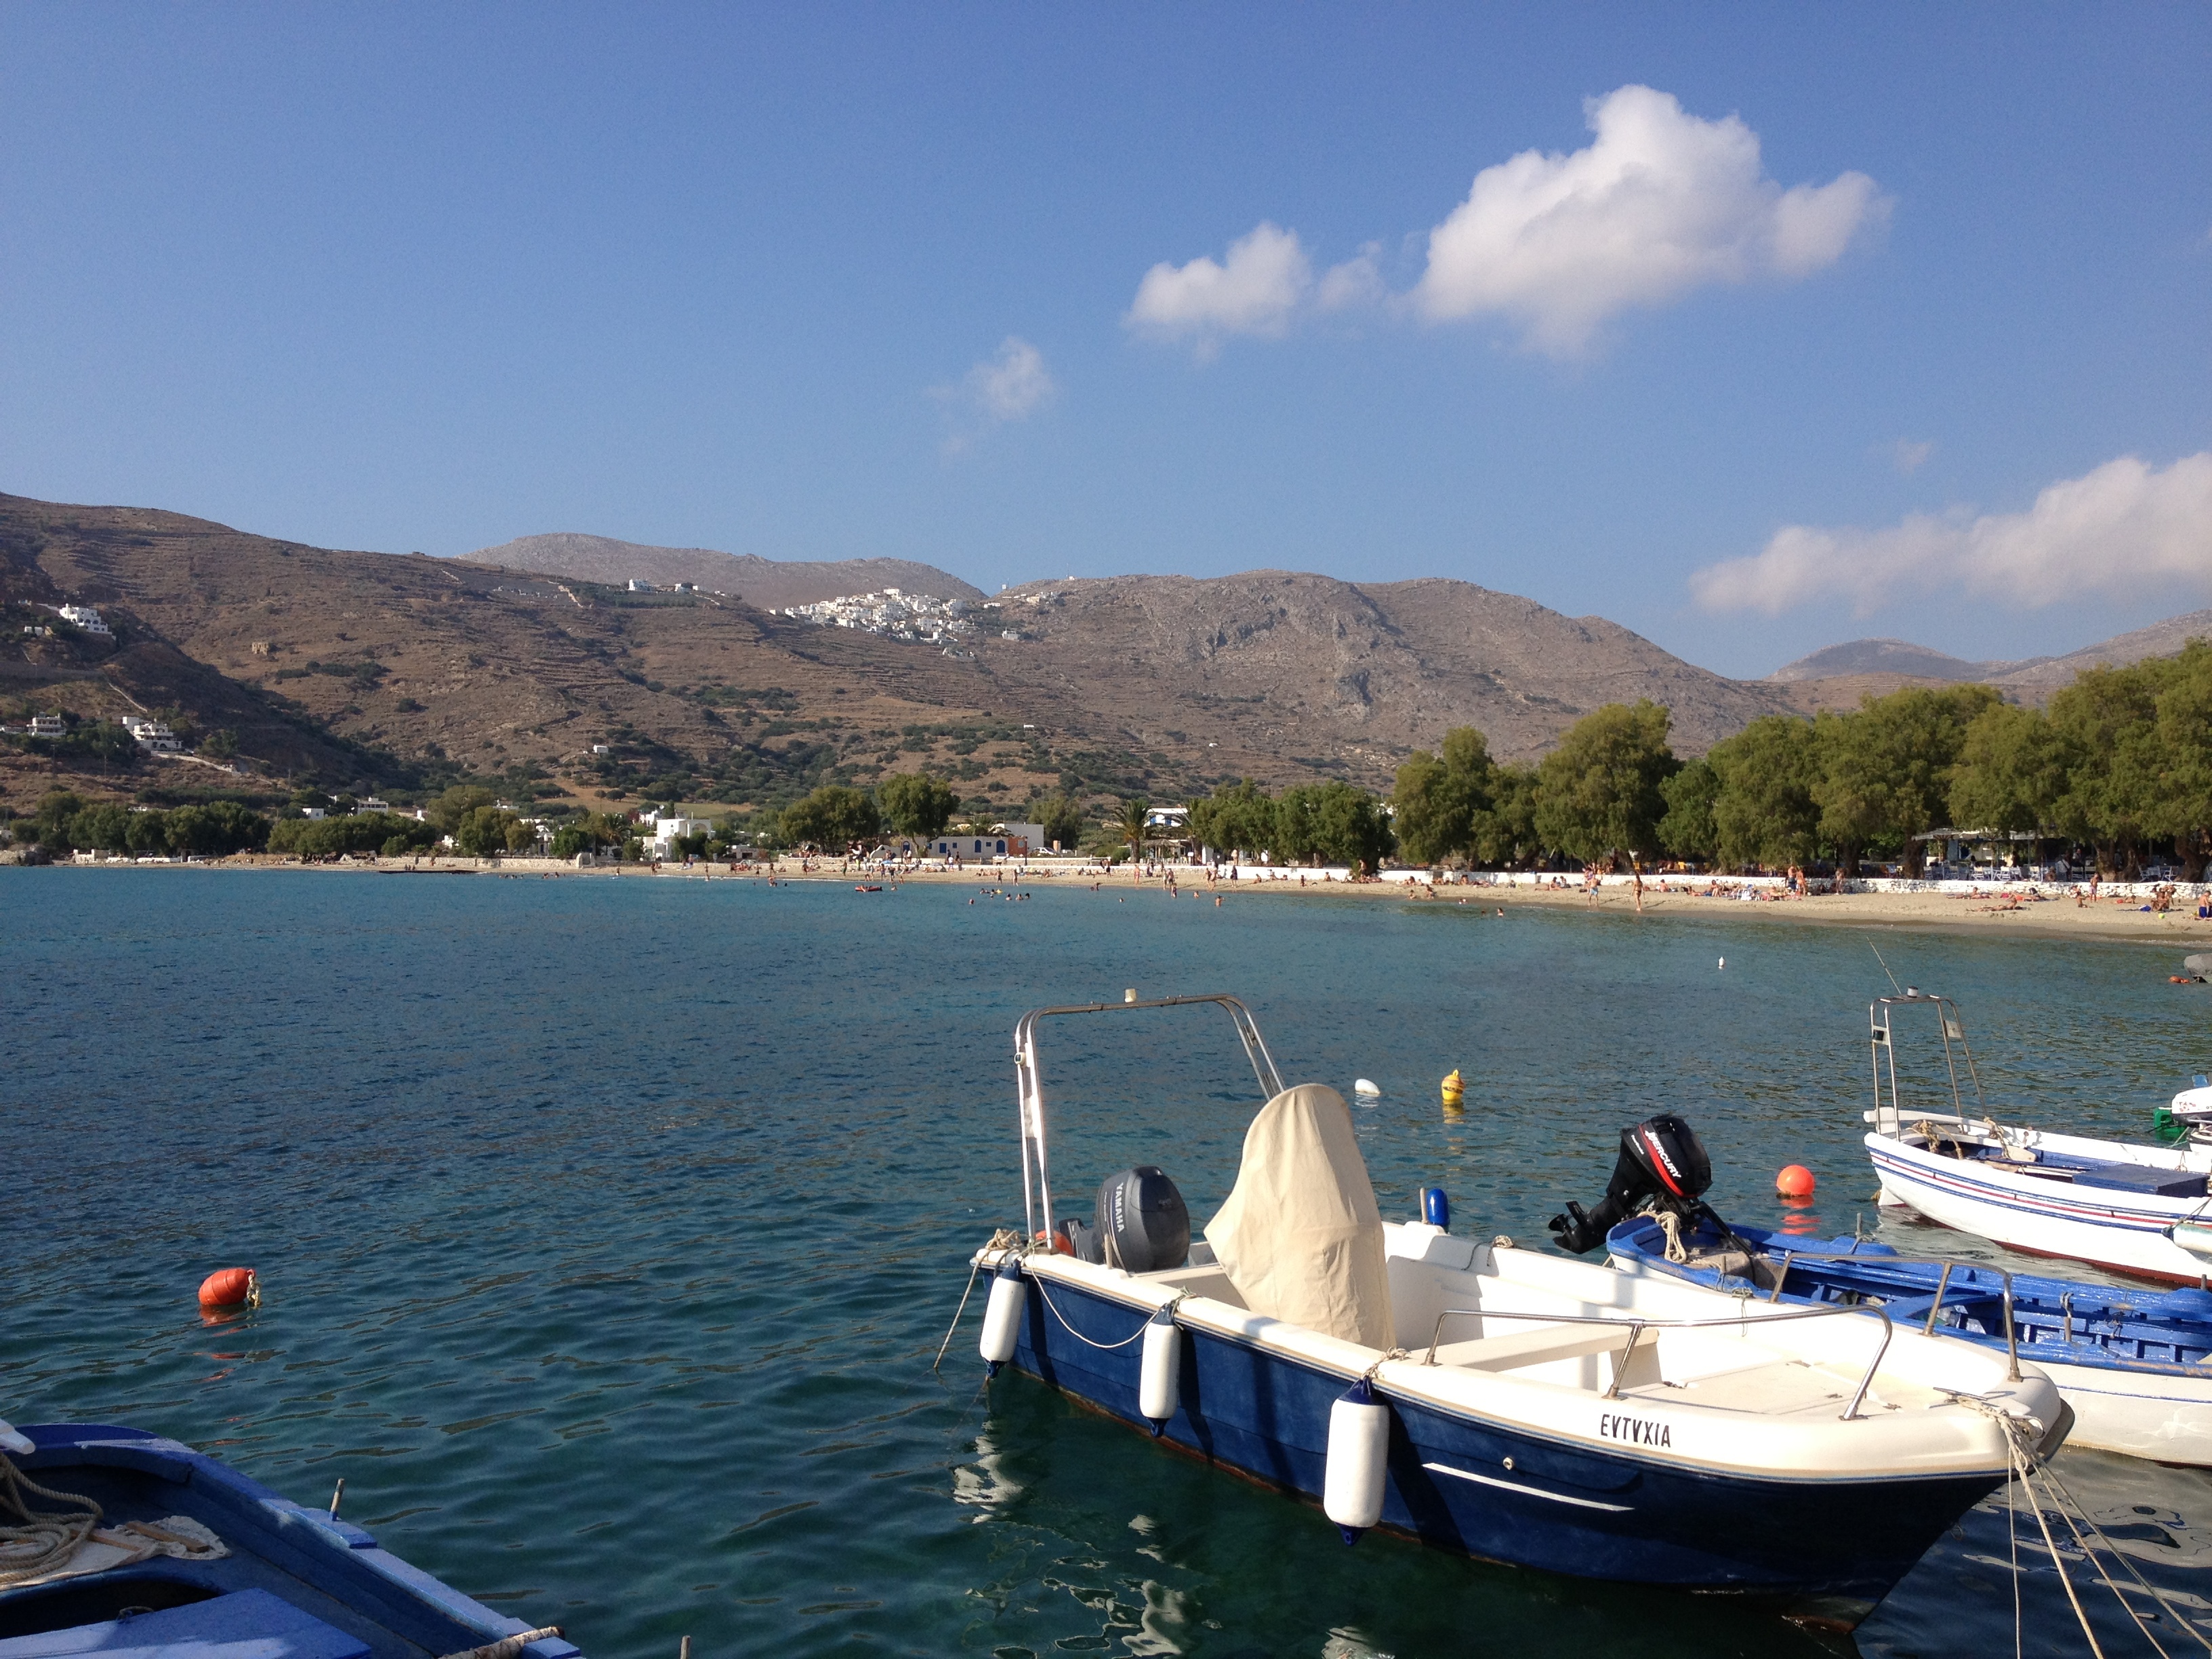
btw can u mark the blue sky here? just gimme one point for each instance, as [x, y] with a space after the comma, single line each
[1788, 326]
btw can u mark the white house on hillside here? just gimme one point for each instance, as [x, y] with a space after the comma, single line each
[84, 616]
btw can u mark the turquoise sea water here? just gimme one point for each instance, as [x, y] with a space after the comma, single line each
[609, 1227]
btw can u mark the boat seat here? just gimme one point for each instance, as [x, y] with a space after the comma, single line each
[1538, 1345]
[250, 1624]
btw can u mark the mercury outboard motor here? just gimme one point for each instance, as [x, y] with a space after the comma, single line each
[1662, 1159]
[1142, 1223]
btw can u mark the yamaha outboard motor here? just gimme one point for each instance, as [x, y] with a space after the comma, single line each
[1142, 1223]
[1661, 1159]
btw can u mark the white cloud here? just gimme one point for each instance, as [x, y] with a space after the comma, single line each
[1011, 384]
[1659, 204]
[1908, 455]
[2119, 528]
[1254, 291]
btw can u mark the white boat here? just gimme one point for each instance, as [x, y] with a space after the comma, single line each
[1498, 1402]
[2128, 1207]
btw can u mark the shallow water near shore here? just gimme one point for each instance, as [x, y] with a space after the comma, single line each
[609, 1228]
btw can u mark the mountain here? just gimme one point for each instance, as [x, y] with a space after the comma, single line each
[396, 673]
[1898, 657]
[770, 584]
[1839, 676]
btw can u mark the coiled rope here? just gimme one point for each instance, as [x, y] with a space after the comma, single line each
[33, 1542]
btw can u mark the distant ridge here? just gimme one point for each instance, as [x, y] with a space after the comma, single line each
[769, 584]
[1900, 657]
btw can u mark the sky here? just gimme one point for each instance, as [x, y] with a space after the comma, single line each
[1751, 329]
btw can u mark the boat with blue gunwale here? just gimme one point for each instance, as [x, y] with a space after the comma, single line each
[129, 1546]
[1498, 1402]
[2136, 1365]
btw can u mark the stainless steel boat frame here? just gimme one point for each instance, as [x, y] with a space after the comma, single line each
[1888, 1113]
[1028, 1082]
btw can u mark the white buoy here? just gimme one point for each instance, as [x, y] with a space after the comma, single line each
[1366, 1085]
[1723, 961]
[1002, 1315]
[1359, 1456]
[1159, 1382]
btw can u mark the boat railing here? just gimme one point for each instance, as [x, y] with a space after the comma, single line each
[1935, 1307]
[1888, 1107]
[1638, 1327]
[1028, 1084]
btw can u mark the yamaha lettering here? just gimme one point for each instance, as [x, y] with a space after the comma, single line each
[1641, 1431]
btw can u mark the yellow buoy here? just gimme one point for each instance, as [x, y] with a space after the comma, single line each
[1454, 1090]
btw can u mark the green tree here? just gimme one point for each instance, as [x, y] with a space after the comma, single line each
[1885, 771]
[1060, 818]
[447, 810]
[1350, 827]
[1687, 831]
[2107, 722]
[221, 745]
[2011, 773]
[215, 828]
[1764, 812]
[147, 833]
[50, 825]
[1441, 801]
[1599, 792]
[1505, 837]
[1129, 828]
[103, 825]
[917, 805]
[833, 819]
[2184, 743]
[1237, 818]
[486, 831]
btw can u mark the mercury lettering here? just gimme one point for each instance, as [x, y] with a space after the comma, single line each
[1642, 1431]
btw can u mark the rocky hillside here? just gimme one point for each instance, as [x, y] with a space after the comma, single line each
[769, 584]
[394, 672]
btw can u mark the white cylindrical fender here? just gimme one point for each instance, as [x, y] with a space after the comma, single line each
[1002, 1315]
[1159, 1383]
[1358, 1457]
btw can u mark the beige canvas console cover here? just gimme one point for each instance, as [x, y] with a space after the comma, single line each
[1300, 1237]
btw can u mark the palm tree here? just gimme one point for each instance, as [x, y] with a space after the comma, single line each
[1131, 829]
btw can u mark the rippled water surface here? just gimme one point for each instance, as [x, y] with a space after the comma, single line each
[609, 1227]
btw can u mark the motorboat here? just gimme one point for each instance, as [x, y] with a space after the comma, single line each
[1496, 1401]
[2131, 1207]
[2135, 1364]
[126, 1543]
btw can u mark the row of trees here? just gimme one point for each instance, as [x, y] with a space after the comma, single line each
[1327, 822]
[66, 823]
[911, 806]
[2120, 763]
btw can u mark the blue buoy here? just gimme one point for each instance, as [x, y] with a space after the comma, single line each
[1435, 1208]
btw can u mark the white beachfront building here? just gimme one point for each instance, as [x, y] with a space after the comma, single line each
[668, 826]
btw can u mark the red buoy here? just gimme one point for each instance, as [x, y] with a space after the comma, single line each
[230, 1287]
[1795, 1180]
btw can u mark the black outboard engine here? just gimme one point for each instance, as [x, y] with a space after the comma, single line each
[1661, 1159]
[1142, 1223]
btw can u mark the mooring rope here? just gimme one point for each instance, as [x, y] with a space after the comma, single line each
[50, 1539]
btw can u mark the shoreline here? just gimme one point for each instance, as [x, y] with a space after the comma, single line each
[2014, 911]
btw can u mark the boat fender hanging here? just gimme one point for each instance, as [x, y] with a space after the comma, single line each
[1158, 1384]
[1002, 1315]
[1358, 1455]
[231, 1287]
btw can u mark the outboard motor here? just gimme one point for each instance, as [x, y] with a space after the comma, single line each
[1661, 1159]
[1142, 1223]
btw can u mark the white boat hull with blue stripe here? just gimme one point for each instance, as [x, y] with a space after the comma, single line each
[2119, 1204]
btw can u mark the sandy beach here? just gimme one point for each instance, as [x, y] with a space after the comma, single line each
[1992, 910]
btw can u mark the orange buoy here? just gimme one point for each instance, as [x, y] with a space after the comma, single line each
[230, 1287]
[1795, 1180]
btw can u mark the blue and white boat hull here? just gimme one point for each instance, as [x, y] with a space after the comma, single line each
[1541, 1470]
